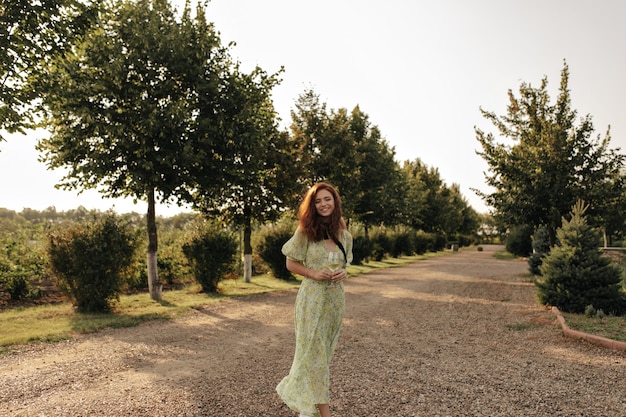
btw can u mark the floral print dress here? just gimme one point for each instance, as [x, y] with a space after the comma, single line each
[319, 312]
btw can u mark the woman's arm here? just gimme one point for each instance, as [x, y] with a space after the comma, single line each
[315, 274]
[297, 268]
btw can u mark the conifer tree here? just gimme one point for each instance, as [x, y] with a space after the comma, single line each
[576, 275]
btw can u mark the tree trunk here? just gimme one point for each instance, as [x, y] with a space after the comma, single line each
[154, 285]
[247, 249]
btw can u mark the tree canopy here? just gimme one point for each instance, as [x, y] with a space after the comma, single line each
[549, 162]
[130, 108]
[346, 149]
[32, 33]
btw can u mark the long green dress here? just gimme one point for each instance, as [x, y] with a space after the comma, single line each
[318, 315]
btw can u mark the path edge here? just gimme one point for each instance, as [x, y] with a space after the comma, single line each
[598, 340]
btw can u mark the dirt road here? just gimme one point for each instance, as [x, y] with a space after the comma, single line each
[458, 335]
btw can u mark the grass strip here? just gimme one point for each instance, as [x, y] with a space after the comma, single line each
[611, 327]
[56, 322]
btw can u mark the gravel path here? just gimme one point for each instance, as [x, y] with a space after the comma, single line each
[458, 335]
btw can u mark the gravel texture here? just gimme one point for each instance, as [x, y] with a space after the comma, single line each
[457, 335]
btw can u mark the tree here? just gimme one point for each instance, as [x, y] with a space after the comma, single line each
[32, 33]
[133, 107]
[379, 187]
[347, 150]
[463, 219]
[416, 194]
[432, 205]
[309, 121]
[551, 163]
[335, 158]
[576, 275]
[256, 181]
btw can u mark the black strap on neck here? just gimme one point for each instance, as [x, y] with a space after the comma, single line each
[338, 243]
[327, 234]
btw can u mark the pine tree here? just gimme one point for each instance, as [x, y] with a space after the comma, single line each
[576, 275]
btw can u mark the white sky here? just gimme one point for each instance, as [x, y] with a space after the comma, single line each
[419, 69]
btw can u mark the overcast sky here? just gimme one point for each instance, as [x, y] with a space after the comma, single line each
[420, 69]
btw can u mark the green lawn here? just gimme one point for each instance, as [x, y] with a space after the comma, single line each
[610, 327]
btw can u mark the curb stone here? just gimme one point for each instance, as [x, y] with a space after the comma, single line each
[598, 340]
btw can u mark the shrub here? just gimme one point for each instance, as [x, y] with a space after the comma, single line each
[211, 254]
[423, 242]
[541, 247]
[90, 261]
[13, 281]
[381, 244]
[21, 262]
[361, 249]
[464, 240]
[576, 275]
[518, 241]
[403, 243]
[269, 249]
[17, 284]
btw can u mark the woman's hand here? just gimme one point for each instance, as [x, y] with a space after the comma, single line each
[338, 276]
[320, 275]
[328, 275]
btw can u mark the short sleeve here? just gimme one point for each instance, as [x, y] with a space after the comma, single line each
[296, 247]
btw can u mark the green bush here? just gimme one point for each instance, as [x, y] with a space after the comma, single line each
[438, 243]
[12, 281]
[403, 243]
[382, 244]
[518, 241]
[269, 249]
[576, 275]
[423, 242]
[465, 240]
[541, 247]
[91, 260]
[16, 284]
[361, 249]
[211, 254]
[21, 262]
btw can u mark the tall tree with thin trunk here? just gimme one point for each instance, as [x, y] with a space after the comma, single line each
[132, 108]
[549, 161]
[256, 168]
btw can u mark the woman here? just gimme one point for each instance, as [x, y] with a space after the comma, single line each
[319, 308]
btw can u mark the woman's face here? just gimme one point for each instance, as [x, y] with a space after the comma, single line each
[324, 203]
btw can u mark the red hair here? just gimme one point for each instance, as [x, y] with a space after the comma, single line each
[311, 223]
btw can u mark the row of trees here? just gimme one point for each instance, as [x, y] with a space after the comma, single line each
[145, 103]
